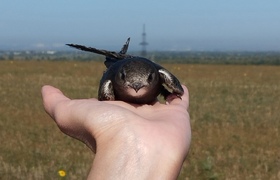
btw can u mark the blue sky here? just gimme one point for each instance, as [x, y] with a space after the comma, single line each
[252, 25]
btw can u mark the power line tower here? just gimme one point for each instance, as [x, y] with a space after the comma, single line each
[144, 43]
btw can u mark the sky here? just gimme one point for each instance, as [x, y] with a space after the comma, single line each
[178, 25]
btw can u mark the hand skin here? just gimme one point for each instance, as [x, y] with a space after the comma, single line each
[130, 141]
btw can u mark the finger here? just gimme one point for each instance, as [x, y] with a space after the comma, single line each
[64, 112]
[51, 97]
[65, 117]
[184, 101]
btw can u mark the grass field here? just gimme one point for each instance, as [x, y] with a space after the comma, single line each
[235, 118]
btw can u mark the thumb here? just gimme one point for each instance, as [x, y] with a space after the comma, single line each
[51, 97]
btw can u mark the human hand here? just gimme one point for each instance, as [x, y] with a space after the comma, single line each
[131, 141]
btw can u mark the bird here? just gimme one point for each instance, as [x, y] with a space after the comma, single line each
[133, 79]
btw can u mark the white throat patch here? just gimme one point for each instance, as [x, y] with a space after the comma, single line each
[140, 92]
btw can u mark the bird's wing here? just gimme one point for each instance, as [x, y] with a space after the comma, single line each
[170, 83]
[125, 47]
[109, 60]
[106, 53]
[106, 91]
[111, 56]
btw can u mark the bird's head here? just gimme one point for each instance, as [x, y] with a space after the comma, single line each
[137, 77]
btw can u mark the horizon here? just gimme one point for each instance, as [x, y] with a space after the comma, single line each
[75, 51]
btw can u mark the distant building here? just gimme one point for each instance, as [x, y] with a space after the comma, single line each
[51, 52]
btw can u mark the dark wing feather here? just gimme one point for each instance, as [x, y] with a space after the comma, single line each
[125, 47]
[170, 83]
[109, 60]
[110, 54]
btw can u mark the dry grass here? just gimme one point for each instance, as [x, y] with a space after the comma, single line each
[234, 115]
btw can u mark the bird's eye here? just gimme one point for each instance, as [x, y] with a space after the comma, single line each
[151, 77]
[122, 75]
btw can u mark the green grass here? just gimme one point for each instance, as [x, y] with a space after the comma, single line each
[234, 110]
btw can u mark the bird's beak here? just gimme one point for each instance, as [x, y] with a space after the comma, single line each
[137, 86]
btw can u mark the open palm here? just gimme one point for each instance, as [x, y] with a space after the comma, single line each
[116, 128]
